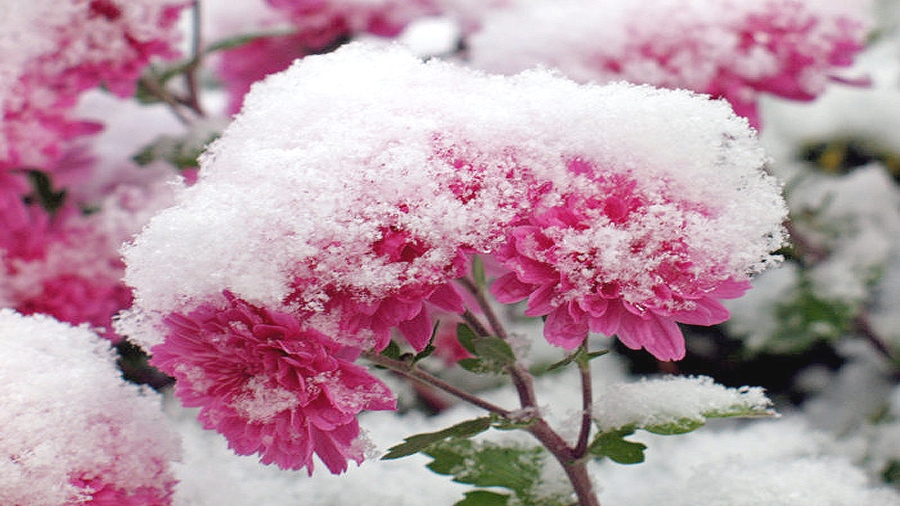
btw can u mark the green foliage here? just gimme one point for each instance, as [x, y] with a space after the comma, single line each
[579, 356]
[484, 498]
[420, 442]
[492, 354]
[613, 444]
[891, 473]
[179, 151]
[43, 193]
[486, 464]
[806, 319]
[394, 352]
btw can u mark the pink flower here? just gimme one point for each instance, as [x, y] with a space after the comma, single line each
[726, 48]
[270, 385]
[106, 494]
[408, 309]
[242, 66]
[76, 299]
[614, 260]
[55, 50]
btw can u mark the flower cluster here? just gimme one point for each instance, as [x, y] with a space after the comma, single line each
[731, 49]
[619, 260]
[53, 259]
[53, 51]
[376, 177]
[74, 432]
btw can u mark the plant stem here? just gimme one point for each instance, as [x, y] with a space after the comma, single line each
[587, 401]
[571, 459]
[414, 373]
[485, 306]
[190, 72]
[575, 468]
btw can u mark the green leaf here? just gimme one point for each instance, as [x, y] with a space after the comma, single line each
[179, 151]
[484, 498]
[613, 444]
[681, 426]
[420, 442]
[487, 464]
[891, 472]
[43, 193]
[492, 354]
[429, 348]
[495, 349]
[578, 356]
[392, 351]
[466, 337]
[807, 318]
[502, 423]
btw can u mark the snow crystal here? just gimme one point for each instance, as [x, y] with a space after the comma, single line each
[68, 416]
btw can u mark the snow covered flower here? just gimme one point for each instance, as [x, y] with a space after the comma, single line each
[727, 48]
[618, 258]
[363, 181]
[52, 51]
[270, 385]
[73, 431]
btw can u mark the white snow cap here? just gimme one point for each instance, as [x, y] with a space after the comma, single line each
[68, 415]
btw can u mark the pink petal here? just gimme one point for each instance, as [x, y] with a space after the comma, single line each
[417, 330]
[563, 329]
[540, 302]
[708, 312]
[447, 298]
[658, 335]
[508, 289]
[608, 322]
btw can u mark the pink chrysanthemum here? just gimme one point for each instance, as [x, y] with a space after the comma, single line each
[732, 49]
[270, 385]
[616, 258]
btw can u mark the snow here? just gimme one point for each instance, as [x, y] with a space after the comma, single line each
[68, 414]
[672, 401]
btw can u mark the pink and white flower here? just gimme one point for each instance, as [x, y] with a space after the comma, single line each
[269, 384]
[727, 48]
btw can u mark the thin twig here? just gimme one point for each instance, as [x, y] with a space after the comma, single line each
[190, 71]
[485, 306]
[159, 92]
[865, 328]
[412, 372]
[475, 324]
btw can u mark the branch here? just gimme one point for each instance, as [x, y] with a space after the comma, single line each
[414, 373]
[485, 306]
